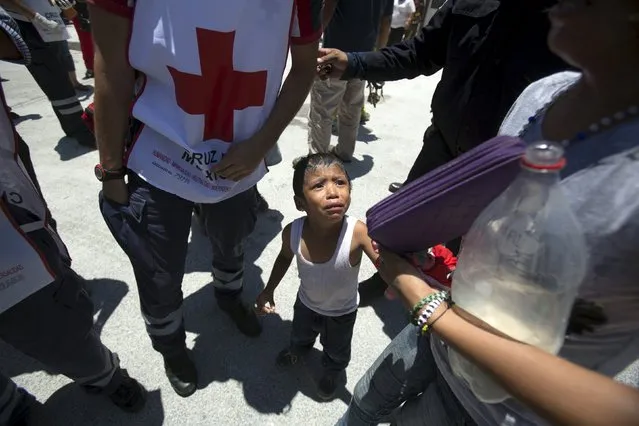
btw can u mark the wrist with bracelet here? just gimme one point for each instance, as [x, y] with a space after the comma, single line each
[424, 310]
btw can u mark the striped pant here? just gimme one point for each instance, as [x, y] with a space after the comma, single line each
[55, 327]
[50, 69]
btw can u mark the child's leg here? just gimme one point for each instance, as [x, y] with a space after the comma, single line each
[304, 330]
[336, 340]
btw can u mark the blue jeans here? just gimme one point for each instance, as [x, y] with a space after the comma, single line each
[405, 373]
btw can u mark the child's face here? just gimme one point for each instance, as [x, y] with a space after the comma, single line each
[327, 194]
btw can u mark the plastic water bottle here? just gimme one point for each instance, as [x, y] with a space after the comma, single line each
[521, 264]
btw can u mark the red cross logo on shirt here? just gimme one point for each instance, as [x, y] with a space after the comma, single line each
[220, 90]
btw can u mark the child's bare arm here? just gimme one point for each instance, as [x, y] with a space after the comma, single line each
[365, 242]
[282, 263]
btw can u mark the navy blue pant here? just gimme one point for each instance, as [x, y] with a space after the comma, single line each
[335, 334]
[153, 231]
[55, 326]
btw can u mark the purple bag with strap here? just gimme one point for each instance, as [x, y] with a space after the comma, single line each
[443, 204]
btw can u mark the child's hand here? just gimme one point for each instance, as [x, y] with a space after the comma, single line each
[265, 303]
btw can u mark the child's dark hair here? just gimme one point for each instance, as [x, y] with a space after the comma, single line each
[312, 162]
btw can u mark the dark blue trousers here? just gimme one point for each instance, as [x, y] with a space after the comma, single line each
[153, 230]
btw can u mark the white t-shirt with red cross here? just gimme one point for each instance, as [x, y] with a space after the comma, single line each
[212, 73]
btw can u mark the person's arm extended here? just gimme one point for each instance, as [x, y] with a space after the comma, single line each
[328, 12]
[280, 267]
[114, 89]
[557, 390]
[421, 55]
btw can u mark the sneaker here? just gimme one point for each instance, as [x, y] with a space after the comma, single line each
[371, 289]
[365, 117]
[243, 316]
[130, 396]
[89, 74]
[327, 386]
[286, 358]
[181, 372]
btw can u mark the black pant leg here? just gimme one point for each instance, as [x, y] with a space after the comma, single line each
[336, 339]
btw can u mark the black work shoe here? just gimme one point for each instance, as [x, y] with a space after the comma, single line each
[181, 373]
[85, 139]
[20, 414]
[243, 316]
[130, 396]
[371, 289]
[286, 358]
[395, 186]
[327, 386]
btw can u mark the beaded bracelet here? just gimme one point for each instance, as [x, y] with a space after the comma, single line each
[431, 305]
[428, 311]
[428, 327]
[418, 307]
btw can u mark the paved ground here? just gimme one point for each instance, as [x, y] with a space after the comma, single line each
[239, 381]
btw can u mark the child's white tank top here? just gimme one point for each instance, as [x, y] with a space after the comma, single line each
[328, 288]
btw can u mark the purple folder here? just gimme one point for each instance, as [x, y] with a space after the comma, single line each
[443, 204]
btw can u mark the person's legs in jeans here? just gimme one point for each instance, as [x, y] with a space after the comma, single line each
[304, 330]
[55, 326]
[350, 111]
[404, 369]
[326, 96]
[153, 231]
[228, 223]
[336, 337]
[437, 405]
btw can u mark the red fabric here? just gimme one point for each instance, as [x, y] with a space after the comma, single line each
[86, 44]
[445, 264]
[118, 7]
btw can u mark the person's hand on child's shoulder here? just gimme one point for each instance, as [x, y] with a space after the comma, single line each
[265, 303]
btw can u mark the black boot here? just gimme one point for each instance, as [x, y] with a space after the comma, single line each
[371, 290]
[241, 314]
[181, 373]
[129, 396]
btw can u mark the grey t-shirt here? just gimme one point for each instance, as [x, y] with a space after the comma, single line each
[601, 182]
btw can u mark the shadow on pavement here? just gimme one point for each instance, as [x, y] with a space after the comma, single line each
[393, 315]
[106, 295]
[27, 117]
[366, 135]
[358, 168]
[81, 409]
[68, 149]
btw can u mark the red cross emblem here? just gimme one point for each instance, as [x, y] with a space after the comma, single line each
[220, 90]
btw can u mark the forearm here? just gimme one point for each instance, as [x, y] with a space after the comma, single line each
[277, 274]
[114, 85]
[291, 98]
[384, 32]
[113, 96]
[421, 55]
[557, 390]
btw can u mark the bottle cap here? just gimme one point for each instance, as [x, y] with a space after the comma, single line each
[544, 156]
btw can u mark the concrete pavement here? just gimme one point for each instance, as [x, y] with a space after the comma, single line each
[240, 383]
